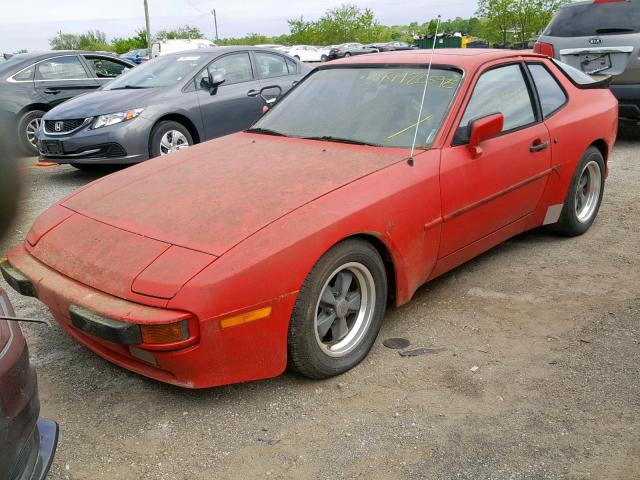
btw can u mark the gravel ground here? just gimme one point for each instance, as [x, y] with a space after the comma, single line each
[551, 324]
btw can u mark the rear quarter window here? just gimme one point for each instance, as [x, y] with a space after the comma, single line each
[588, 20]
[551, 94]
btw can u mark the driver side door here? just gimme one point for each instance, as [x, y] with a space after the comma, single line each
[235, 105]
[504, 184]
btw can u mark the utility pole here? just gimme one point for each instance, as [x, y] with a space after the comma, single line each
[146, 16]
[215, 22]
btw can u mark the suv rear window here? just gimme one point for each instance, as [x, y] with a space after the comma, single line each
[591, 19]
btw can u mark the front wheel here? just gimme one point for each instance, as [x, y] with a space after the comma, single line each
[339, 311]
[324, 58]
[347, 54]
[169, 137]
[584, 197]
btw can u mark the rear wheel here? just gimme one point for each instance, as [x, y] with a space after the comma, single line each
[348, 54]
[296, 57]
[584, 197]
[169, 137]
[28, 127]
[324, 58]
[339, 311]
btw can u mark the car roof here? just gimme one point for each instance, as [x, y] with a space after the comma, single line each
[235, 48]
[467, 58]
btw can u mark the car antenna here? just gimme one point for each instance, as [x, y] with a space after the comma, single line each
[424, 93]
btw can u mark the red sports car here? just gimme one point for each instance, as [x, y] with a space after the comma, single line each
[283, 245]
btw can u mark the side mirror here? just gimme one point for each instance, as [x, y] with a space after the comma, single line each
[483, 129]
[215, 81]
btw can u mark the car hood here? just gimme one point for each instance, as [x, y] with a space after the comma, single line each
[102, 102]
[212, 196]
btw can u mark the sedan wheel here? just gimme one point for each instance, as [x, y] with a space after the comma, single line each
[173, 141]
[339, 311]
[168, 137]
[324, 58]
[28, 127]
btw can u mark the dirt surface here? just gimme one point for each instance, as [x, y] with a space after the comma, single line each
[551, 324]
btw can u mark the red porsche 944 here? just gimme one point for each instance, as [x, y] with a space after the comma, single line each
[284, 245]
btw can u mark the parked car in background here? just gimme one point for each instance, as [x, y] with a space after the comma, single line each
[136, 56]
[34, 83]
[350, 49]
[167, 47]
[599, 37]
[308, 53]
[168, 104]
[27, 442]
[392, 46]
[284, 245]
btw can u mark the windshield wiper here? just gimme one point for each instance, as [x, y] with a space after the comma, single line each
[614, 30]
[348, 141]
[266, 131]
[127, 87]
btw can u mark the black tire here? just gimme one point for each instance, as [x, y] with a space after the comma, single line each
[348, 54]
[570, 224]
[296, 57]
[324, 58]
[160, 129]
[23, 136]
[305, 354]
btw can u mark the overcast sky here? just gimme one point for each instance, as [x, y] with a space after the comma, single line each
[30, 23]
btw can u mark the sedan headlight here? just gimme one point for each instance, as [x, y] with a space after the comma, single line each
[113, 118]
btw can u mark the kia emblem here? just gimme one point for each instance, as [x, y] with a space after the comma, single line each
[595, 41]
[58, 126]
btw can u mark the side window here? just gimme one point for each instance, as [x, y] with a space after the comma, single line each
[291, 65]
[552, 97]
[501, 90]
[106, 67]
[270, 65]
[236, 68]
[25, 75]
[61, 68]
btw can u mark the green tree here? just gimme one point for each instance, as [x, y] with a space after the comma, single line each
[124, 45]
[500, 19]
[90, 40]
[186, 32]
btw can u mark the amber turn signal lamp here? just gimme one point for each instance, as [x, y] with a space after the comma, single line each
[164, 333]
[245, 317]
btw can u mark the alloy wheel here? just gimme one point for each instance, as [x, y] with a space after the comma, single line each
[588, 192]
[345, 309]
[32, 131]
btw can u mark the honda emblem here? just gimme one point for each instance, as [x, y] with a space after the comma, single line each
[58, 126]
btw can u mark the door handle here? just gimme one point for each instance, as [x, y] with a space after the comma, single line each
[253, 93]
[539, 146]
[51, 91]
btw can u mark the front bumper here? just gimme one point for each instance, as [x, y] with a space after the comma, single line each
[629, 98]
[120, 144]
[220, 357]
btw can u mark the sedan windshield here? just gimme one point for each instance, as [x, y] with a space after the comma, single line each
[161, 72]
[372, 106]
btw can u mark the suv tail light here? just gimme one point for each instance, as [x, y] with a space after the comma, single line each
[544, 49]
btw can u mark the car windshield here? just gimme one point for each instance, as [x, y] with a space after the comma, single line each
[161, 72]
[373, 106]
[592, 19]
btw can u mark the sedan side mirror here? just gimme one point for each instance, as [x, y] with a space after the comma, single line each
[215, 81]
[483, 129]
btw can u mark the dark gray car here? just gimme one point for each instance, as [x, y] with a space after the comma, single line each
[168, 104]
[33, 83]
[600, 37]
